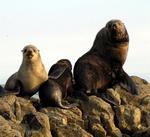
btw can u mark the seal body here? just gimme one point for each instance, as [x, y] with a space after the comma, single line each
[58, 86]
[50, 94]
[101, 66]
[61, 73]
[30, 75]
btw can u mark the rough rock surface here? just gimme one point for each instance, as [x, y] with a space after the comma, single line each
[126, 116]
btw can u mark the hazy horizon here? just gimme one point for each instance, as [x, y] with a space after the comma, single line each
[67, 29]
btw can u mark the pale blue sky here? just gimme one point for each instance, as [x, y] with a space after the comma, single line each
[67, 29]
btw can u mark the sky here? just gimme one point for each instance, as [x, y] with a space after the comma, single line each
[67, 29]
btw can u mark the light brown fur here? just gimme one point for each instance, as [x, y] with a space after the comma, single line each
[31, 73]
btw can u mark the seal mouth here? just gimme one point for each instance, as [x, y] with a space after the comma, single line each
[119, 36]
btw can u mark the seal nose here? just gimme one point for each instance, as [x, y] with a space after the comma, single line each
[29, 51]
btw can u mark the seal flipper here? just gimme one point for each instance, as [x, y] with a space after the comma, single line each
[56, 71]
[4, 92]
[127, 83]
[59, 104]
[105, 98]
[80, 95]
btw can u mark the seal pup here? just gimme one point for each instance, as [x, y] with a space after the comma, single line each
[61, 72]
[30, 75]
[101, 66]
[58, 86]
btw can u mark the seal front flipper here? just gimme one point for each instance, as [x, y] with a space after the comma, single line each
[108, 100]
[127, 83]
[59, 104]
[79, 94]
[56, 71]
[4, 92]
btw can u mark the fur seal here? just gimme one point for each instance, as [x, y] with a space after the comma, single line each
[30, 75]
[101, 66]
[61, 73]
[58, 85]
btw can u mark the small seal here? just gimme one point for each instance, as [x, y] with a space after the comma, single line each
[101, 66]
[61, 73]
[58, 86]
[30, 75]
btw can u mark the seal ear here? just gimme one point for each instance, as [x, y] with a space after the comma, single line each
[56, 71]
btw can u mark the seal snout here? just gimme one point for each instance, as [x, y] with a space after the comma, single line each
[29, 53]
[117, 27]
[117, 31]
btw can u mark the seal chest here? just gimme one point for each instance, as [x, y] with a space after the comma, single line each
[119, 54]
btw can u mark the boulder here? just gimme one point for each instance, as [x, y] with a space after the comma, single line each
[113, 113]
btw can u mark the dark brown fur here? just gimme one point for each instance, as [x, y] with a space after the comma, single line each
[61, 73]
[102, 65]
[58, 85]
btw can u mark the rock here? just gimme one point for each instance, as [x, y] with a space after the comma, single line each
[71, 130]
[6, 130]
[63, 117]
[128, 117]
[14, 108]
[22, 107]
[113, 113]
[7, 107]
[103, 116]
[142, 133]
[95, 127]
[36, 125]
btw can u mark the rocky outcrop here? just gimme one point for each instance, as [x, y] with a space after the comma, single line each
[114, 113]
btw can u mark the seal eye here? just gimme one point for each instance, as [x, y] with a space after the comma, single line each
[25, 50]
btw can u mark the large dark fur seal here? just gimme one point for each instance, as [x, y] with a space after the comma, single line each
[30, 75]
[58, 85]
[101, 66]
